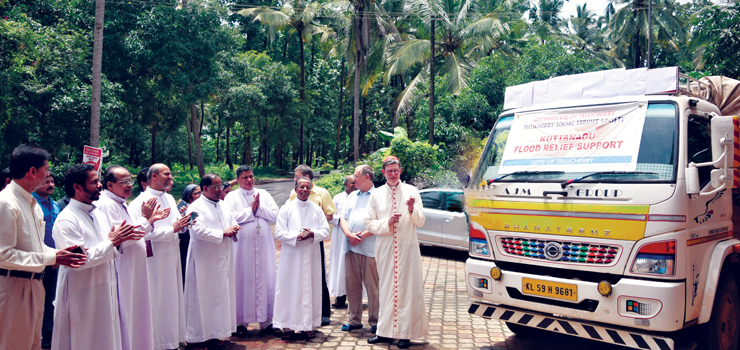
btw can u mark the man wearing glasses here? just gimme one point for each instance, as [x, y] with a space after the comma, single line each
[133, 281]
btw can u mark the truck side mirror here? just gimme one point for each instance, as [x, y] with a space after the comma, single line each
[723, 134]
[692, 179]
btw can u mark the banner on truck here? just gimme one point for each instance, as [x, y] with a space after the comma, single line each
[93, 156]
[599, 138]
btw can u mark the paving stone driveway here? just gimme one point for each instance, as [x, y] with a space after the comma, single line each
[450, 325]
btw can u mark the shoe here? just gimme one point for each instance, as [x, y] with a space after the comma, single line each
[378, 339]
[404, 343]
[340, 302]
[267, 330]
[339, 306]
[373, 329]
[348, 327]
[325, 321]
[241, 331]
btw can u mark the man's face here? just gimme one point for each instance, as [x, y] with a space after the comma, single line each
[90, 190]
[47, 188]
[40, 174]
[123, 185]
[214, 190]
[361, 181]
[303, 189]
[162, 180]
[392, 173]
[297, 175]
[349, 184]
[246, 180]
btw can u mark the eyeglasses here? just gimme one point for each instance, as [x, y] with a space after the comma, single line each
[215, 187]
[126, 182]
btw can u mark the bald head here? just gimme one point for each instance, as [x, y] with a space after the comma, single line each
[160, 177]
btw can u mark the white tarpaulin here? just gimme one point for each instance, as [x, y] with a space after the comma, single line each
[600, 138]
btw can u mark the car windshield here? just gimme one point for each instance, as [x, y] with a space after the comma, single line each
[557, 146]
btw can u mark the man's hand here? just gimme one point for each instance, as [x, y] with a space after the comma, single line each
[149, 207]
[410, 203]
[65, 257]
[394, 218]
[159, 215]
[181, 223]
[123, 233]
[231, 231]
[256, 203]
[305, 234]
[354, 238]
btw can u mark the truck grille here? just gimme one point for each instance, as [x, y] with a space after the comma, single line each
[573, 252]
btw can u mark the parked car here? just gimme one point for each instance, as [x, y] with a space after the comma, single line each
[446, 223]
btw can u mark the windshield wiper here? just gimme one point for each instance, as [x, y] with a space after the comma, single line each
[565, 184]
[522, 173]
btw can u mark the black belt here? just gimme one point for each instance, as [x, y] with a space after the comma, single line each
[22, 274]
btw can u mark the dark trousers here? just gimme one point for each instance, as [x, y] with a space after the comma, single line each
[325, 302]
[50, 288]
[184, 243]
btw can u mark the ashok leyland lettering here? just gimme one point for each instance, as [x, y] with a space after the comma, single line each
[602, 208]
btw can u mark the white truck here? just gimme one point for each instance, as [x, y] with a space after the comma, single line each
[602, 208]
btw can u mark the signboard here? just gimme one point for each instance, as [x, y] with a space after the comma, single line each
[599, 138]
[93, 156]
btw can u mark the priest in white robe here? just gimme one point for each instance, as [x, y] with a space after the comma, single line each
[300, 225]
[131, 271]
[335, 281]
[86, 314]
[254, 253]
[393, 214]
[210, 297]
[163, 260]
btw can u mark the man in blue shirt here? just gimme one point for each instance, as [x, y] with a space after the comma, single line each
[51, 211]
[360, 267]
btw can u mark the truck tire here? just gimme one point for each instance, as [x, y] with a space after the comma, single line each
[723, 328]
[522, 331]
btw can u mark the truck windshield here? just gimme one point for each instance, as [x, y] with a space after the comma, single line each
[655, 149]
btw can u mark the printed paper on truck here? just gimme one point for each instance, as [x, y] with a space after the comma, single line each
[599, 138]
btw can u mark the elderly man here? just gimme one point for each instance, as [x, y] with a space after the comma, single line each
[87, 314]
[23, 255]
[335, 281]
[300, 225]
[255, 253]
[321, 197]
[163, 260]
[360, 253]
[131, 271]
[210, 297]
[393, 213]
[51, 211]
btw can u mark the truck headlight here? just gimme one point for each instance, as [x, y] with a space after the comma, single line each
[478, 240]
[656, 259]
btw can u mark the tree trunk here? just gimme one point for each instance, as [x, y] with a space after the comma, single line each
[196, 138]
[363, 127]
[190, 145]
[431, 87]
[285, 47]
[228, 147]
[154, 144]
[218, 135]
[302, 92]
[247, 150]
[339, 115]
[96, 73]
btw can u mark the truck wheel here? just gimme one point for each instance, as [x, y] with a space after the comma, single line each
[723, 328]
[522, 331]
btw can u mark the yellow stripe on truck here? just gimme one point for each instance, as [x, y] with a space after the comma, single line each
[622, 222]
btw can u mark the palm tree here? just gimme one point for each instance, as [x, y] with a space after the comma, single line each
[545, 17]
[629, 27]
[589, 34]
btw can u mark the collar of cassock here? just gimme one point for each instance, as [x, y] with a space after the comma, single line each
[154, 192]
[113, 196]
[84, 207]
[301, 203]
[215, 203]
[250, 192]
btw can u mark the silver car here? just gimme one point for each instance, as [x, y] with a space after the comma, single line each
[446, 223]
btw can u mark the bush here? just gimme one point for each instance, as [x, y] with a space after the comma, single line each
[334, 183]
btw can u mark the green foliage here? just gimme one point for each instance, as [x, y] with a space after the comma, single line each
[334, 183]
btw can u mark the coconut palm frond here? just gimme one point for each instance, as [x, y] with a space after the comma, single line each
[458, 69]
[403, 102]
[410, 53]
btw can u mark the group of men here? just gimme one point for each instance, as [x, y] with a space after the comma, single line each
[120, 285]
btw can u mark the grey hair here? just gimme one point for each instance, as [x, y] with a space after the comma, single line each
[346, 179]
[305, 171]
[365, 169]
[304, 178]
[154, 169]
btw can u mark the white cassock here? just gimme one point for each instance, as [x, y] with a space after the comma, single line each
[86, 312]
[210, 298]
[335, 282]
[132, 276]
[401, 282]
[255, 256]
[298, 288]
[165, 273]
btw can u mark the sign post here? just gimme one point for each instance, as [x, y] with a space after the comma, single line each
[93, 156]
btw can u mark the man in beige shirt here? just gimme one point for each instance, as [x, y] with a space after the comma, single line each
[23, 254]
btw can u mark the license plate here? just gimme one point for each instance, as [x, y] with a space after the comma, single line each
[549, 289]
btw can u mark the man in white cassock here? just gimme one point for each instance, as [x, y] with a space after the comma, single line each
[210, 298]
[335, 281]
[86, 315]
[132, 276]
[163, 260]
[300, 225]
[393, 214]
[254, 253]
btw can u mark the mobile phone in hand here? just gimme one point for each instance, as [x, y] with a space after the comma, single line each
[78, 250]
[193, 215]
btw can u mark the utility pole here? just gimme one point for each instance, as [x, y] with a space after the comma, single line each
[96, 73]
[650, 33]
[431, 89]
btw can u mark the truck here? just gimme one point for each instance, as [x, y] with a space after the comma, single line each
[602, 207]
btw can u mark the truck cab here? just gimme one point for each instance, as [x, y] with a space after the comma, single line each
[609, 215]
